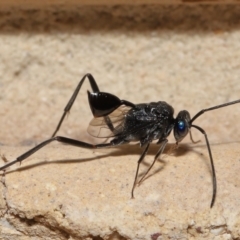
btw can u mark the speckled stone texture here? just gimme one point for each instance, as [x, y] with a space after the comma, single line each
[71, 193]
[188, 56]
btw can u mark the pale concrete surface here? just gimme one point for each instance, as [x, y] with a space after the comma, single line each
[69, 193]
[187, 56]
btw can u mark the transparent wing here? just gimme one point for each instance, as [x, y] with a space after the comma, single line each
[109, 126]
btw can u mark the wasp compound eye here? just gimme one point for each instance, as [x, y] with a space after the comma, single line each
[181, 127]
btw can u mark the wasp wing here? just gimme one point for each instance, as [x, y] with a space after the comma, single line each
[110, 125]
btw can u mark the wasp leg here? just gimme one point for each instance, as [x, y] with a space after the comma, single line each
[65, 140]
[94, 87]
[139, 161]
[160, 151]
[192, 138]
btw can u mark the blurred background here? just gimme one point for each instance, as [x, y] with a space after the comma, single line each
[188, 56]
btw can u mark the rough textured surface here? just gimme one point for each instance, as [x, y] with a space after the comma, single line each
[187, 56]
[71, 193]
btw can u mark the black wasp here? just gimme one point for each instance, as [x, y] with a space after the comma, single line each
[124, 122]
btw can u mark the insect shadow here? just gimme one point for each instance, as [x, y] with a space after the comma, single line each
[121, 122]
[113, 152]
